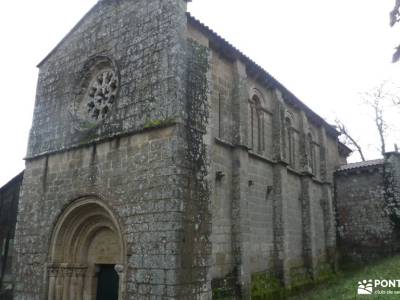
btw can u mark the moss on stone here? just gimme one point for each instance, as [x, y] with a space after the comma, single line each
[85, 125]
[225, 288]
[222, 293]
[300, 277]
[197, 226]
[325, 272]
[159, 123]
[265, 286]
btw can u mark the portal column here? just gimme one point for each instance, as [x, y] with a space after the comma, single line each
[94, 273]
[121, 275]
[77, 282]
[67, 273]
[52, 271]
[59, 285]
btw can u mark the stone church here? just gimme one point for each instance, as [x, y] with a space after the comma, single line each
[163, 163]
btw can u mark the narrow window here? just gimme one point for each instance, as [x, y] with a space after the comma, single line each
[311, 153]
[252, 125]
[219, 116]
[259, 130]
[257, 125]
[263, 131]
[289, 138]
[293, 147]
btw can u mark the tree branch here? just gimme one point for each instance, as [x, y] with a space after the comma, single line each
[349, 140]
[375, 99]
[395, 13]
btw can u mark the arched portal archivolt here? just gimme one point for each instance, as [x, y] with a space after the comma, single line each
[86, 237]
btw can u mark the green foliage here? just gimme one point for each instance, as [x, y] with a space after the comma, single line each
[344, 285]
[300, 279]
[222, 293]
[325, 272]
[264, 286]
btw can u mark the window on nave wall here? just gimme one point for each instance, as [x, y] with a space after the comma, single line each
[254, 122]
[290, 142]
[259, 126]
[313, 153]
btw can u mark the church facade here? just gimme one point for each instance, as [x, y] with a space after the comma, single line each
[165, 164]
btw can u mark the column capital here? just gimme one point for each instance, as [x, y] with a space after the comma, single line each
[119, 268]
[80, 271]
[67, 271]
[53, 270]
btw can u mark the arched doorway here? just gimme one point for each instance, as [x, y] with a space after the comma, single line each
[86, 254]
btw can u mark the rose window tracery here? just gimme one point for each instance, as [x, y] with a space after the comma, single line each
[101, 95]
[98, 87]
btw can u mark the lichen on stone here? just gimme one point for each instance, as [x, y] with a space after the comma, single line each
[159, 123]
[197, 228]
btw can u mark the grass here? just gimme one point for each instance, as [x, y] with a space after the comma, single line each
[344, 285]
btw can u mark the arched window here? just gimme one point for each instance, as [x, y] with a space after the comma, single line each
[260, 128]
[252, 110]
[256, 125]
[311, 153]
[289, 142]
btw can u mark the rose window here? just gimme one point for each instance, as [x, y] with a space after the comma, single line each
[101, 94]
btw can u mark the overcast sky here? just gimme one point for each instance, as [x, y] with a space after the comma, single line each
[326, 52]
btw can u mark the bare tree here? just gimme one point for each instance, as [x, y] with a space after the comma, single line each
[395, 18]
[348, 139]
[376, 100]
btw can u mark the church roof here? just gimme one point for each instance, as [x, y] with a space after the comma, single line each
[17, 178]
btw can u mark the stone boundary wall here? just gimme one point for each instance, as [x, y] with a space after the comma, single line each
[364, 197]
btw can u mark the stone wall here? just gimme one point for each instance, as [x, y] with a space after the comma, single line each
[364, 198]
[272, 217]
[9, 197]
